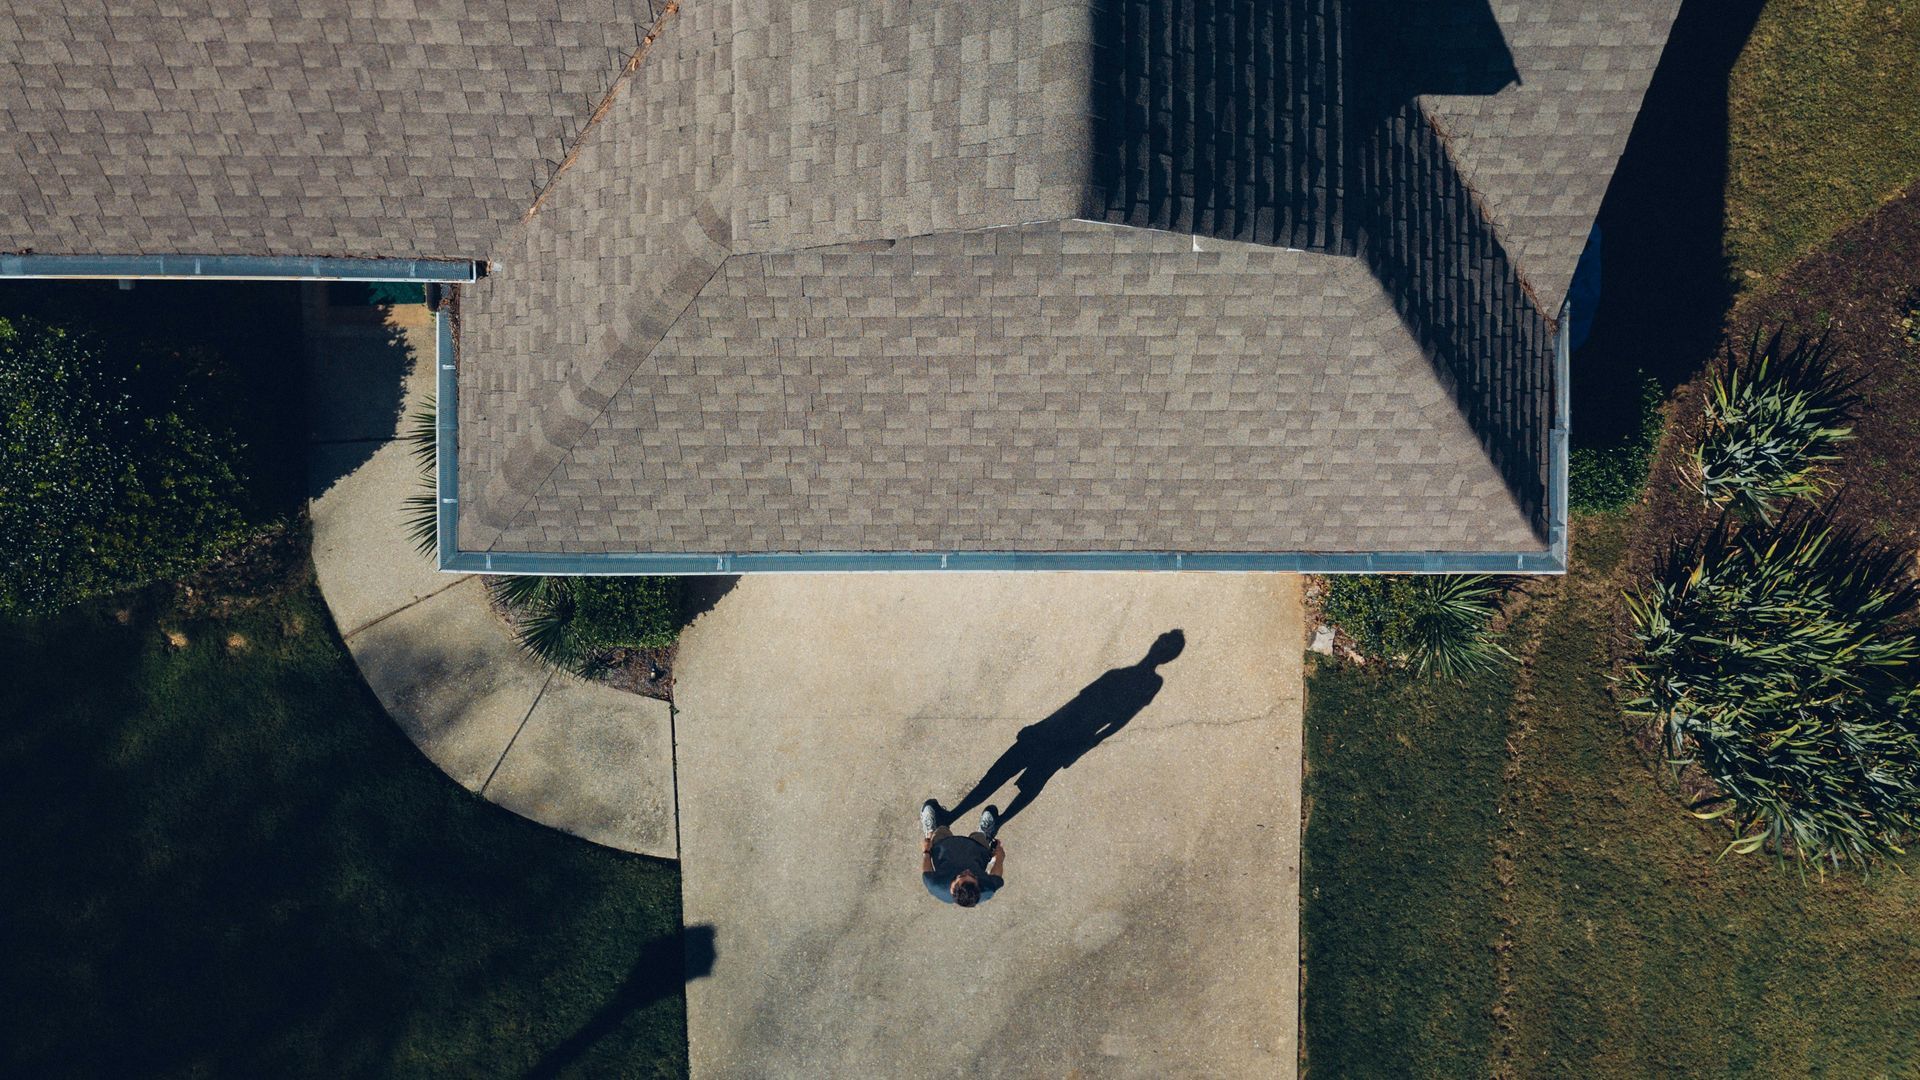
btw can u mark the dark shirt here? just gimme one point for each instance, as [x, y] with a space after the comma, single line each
[953, 854]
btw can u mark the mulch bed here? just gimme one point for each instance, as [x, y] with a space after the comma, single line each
[1855, 291]
[647, 672]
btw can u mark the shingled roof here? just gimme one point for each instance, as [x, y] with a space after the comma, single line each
[345, 128]
[859, 276]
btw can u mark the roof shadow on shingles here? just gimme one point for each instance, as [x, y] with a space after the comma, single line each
[1357, 165]
[1428, 238]
[1223, 118]
[1257, 122]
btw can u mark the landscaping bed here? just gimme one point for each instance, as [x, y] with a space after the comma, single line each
[1854, 294]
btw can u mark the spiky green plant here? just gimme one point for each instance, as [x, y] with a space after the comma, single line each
[1773, 419]
[422, 507]
[1440, 623]
[574, 623]
[1776, 658]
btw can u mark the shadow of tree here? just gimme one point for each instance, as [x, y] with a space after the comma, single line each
[357, 361]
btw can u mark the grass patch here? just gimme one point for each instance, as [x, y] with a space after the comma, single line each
[1831, 83]
[222, 859]
[1635, 951]
[1398, 898]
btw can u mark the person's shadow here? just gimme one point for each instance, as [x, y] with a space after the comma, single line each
[1047, 746]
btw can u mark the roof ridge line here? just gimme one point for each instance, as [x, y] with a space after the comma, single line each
[561, 458]
[1441, 133]
[600, 110]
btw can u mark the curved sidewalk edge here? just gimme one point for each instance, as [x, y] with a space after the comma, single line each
[579, 757]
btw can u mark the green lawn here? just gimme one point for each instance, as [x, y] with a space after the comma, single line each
[1398, 896]
[228, 862]
[1823, 125]
[1637, 951]
[1634, 951]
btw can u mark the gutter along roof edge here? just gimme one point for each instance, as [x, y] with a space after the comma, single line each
[237, 268]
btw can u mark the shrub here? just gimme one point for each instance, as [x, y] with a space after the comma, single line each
[575, 622]
[1440, 623]
[1772, 422]
[106, 482]
[1608, 478]
[422, 508]
[1776, 659]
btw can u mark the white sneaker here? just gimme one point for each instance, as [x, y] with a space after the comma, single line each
[990, 821]
[929, 816]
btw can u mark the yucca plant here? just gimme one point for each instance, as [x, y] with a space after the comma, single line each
[575, 623]
[1773, 419]
[422, 508]
[1776, 659]
[1439, 623]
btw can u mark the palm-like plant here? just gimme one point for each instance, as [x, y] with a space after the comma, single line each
[1772, 422]
[1441, 623]
[422, 507]
[1776, 659]
[1449, 631]
[575, 623]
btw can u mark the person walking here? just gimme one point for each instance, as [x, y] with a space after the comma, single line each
[963, 870]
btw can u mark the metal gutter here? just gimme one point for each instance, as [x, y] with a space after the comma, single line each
[1553, 560]
[830, 562]
[1557, 435]
[446, 440]
[236, 268]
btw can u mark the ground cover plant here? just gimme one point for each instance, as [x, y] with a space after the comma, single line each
[109, 478]
[223, 860]
[1609, 475]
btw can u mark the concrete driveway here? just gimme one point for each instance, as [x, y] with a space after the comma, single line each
[1149, 925]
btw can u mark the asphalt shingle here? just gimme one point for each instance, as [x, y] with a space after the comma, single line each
[417, 128]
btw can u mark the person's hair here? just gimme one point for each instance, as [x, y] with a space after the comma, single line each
[966, 893]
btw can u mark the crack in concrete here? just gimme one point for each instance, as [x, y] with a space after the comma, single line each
[507, 749]
[371, 623]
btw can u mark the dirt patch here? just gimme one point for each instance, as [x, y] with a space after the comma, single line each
[267, 566]
[647, 672]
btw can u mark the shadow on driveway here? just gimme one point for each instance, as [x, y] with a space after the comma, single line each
[1047, 746]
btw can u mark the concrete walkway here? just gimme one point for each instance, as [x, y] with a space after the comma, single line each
[1149, 926]
[582, 758]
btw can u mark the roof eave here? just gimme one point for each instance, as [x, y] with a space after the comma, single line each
[1550, 560]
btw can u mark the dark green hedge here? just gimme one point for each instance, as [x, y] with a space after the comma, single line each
[626, 612]
[1608, 478]
[107, 479]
